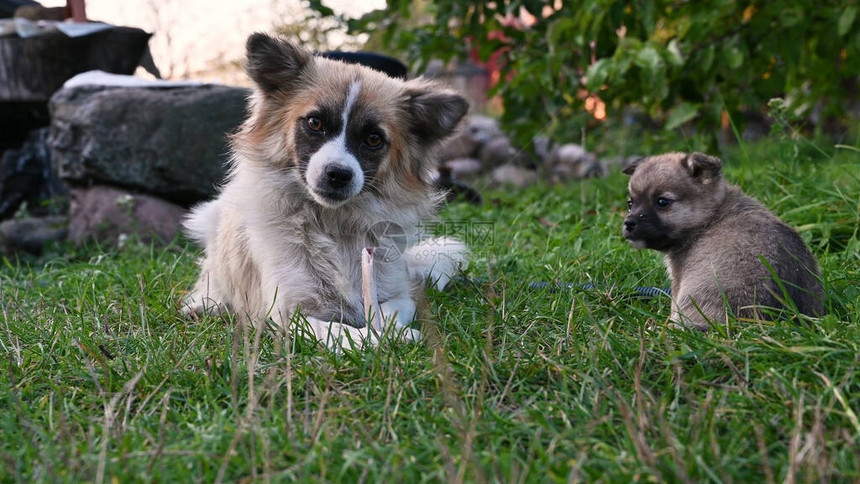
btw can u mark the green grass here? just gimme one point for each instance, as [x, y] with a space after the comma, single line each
[103, 380]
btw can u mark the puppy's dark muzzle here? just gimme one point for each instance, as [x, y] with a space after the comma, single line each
[632, 222]
[629, 224]
[645, 230]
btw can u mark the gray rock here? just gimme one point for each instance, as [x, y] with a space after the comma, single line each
[586, 169]
[510, 174]
[461, 144]
[464, 167]
[542, 145]
[496, 152]
[569, 153]
[167, 142]
[470, 138]
[32, 234]
[483, 128]
[572, 162]
[499, 151]
[106, 214]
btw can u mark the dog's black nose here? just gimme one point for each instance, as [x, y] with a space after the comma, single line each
[629, 224]
[338, 176]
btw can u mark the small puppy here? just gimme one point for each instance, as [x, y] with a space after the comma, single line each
[715, 237]
[334, 157]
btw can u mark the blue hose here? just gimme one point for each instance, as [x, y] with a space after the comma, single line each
[636, 291]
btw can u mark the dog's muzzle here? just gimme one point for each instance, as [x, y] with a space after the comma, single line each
[334, 175]
[335, 184]
[337, 178]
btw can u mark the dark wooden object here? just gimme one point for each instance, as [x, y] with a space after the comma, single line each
[32, 69]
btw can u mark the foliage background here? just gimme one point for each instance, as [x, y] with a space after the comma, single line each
[662, 63]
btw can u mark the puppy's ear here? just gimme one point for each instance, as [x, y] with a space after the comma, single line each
[434, 113]
[629, 169]
[274, 64]
[700, 165]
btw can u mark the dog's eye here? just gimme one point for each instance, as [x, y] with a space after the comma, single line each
[373, 140]
[629, 203]
[314, 124]
[663, 202]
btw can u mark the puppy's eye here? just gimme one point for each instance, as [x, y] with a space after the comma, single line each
[629, 203]
[663, 202]
[314, 124]
[373, 140]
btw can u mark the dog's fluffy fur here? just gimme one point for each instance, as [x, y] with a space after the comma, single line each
[714, 237]
[329, 152]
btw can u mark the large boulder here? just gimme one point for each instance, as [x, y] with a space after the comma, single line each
[109, 214]
[166, 142]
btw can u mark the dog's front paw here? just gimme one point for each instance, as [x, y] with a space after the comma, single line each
[408, 335]
[200, 306]
[397, 312]
[436, 260]
[339, 336]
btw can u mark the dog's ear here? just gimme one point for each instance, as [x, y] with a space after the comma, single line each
[700, 165]
[434, 113]
[274, 64]
[629, 169]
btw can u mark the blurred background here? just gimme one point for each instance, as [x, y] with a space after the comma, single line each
[204, 39]
[559, 91]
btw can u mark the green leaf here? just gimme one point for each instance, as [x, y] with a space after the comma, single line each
[597, 74]
[559, 30]
[674, 53]
[681, 114]
[649, 59]
[846, 20]
[318, 6]
[706, 59]
[734, 57]
[534, 7]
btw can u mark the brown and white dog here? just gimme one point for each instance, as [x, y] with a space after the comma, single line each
[333, 158]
